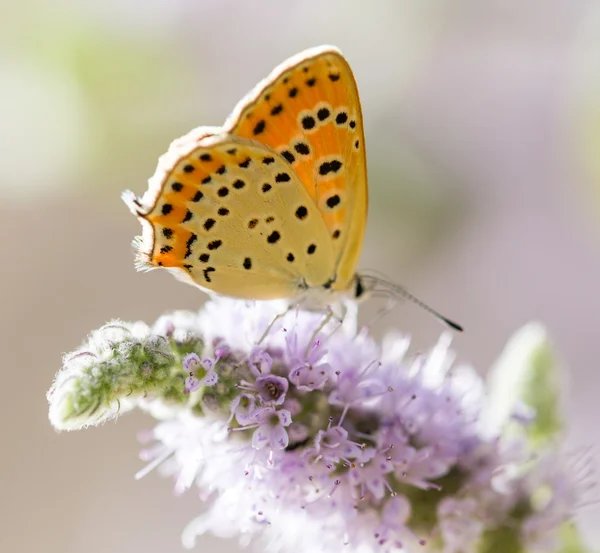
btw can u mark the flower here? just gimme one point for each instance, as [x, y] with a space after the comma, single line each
[272, 388]
[310, 435]
[270, 429]
[201, 372]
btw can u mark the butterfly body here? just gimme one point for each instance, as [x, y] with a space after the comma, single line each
[273, 204]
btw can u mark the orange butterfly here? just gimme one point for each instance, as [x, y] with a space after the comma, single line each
[274, 203]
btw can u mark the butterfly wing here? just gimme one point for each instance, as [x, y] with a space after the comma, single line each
[229, 215]
[309, 111]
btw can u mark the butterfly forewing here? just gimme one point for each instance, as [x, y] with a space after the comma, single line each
[309, 111]
[230, 216]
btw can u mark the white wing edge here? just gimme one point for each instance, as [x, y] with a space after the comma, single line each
[142, 206]
[284, 66]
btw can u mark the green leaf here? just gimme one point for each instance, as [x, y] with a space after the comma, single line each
[570, 542]
[526, 375]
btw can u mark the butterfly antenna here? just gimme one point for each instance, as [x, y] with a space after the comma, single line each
[390, 288]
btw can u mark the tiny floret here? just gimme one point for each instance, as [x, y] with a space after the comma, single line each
[201, 372]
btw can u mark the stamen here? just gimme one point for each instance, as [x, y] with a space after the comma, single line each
[344, 413]
[153, 464]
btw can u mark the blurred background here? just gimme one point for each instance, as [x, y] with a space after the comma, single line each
[483, 135]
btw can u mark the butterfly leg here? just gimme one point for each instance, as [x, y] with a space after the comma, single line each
[270, 326]
[337, 312]
[329, 315]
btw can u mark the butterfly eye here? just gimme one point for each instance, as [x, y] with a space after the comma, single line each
[359, 289]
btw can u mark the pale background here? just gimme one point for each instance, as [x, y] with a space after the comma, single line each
[481, 121]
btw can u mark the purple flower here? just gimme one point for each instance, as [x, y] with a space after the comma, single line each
[271, 429]
[272, 388]
[243, 408]
[201, 372]
[353, 387]
[333, 446]
[317, 437]
[308, 372]
[260, 362]
[393, 529]
[370, 477]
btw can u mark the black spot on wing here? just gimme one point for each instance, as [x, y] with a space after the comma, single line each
[308, 122]
[282, 177]
[301, 212]
[333, 201]
[288, 156]
[189, 243]
[330, 167]
[302, 148]
[341, 118]
[259, 128]
[206, 272]
[273, 237]
[323, 114]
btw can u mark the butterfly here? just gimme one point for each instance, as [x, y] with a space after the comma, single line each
[273, 204]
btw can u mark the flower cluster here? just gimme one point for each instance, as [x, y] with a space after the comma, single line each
[308, 433]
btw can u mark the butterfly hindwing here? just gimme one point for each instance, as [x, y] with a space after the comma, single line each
[309, 111]
[230, 216]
